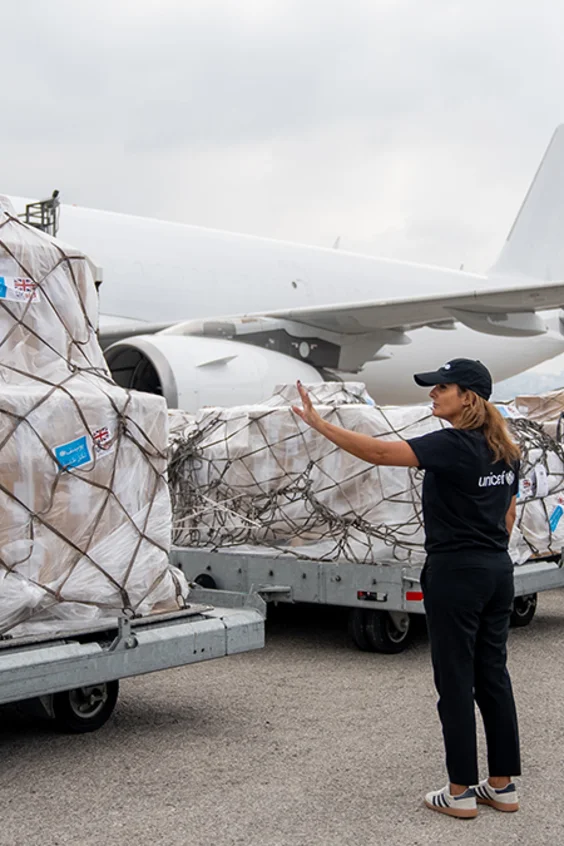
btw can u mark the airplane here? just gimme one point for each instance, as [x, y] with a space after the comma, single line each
[206, 317]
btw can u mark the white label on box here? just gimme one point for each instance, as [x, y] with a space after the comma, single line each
[526, 488]
[541, 477]
[19, 289]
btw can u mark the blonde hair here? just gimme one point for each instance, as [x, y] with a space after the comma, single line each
[481, 414]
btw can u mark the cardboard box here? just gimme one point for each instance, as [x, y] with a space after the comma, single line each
[85, 505]
[48, 306]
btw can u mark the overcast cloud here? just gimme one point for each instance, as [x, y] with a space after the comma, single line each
[410, 128]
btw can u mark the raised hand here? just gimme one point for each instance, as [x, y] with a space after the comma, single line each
[307, 412]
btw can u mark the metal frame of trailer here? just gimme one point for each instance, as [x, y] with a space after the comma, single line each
[74, 678]
[382, 597]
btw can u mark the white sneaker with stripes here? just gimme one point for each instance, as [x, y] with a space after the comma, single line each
[502, 799]
[463, 806]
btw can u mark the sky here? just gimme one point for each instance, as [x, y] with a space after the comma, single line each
[408, 128]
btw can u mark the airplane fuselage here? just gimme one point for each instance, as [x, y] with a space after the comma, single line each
[162, 272]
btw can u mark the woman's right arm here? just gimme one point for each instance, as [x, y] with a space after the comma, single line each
[365, 447]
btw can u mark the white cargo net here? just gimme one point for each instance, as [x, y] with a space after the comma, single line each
[259, 477]
[84, 504]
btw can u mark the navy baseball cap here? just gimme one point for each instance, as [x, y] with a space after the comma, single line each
[464, 372]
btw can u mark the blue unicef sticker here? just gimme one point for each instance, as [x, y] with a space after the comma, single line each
[74, 454]
[3, 288]
[555, 517]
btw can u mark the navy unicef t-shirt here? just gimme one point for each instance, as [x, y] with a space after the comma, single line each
[465, 495]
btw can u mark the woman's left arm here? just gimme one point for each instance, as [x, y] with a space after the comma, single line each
[511, 515]
[373, 450]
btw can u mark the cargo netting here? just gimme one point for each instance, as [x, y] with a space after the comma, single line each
[84, 502]
[257, 476]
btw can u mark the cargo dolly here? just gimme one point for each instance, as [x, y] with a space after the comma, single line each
[382, 597]
[74, 678]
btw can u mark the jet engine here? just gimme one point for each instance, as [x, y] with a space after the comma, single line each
[190, 371]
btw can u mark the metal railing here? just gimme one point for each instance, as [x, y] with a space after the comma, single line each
[43, 214]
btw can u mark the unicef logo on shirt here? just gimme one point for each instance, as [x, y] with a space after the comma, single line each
[508, 476]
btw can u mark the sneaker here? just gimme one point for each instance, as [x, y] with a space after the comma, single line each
[502, 799]
[463, 806]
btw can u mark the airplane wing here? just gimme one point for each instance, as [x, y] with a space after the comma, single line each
[345, 336]
[495, 307]
[111, 329]
[358, 327]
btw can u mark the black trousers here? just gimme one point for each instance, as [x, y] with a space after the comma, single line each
[468, 598]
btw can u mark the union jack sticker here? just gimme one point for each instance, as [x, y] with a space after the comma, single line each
[19, 289]
[102, 440]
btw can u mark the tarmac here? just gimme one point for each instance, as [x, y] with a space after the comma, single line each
[308, 742]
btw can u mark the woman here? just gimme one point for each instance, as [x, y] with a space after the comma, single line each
[469, 497]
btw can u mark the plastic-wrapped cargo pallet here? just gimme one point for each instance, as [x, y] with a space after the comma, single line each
[84, 502]
[535, 423]
[257, 476]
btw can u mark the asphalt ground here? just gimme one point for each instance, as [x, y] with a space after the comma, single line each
[306, 742]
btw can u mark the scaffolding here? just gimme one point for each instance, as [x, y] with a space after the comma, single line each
[44, 214]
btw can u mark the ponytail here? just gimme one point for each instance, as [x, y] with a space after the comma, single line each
[481, 414]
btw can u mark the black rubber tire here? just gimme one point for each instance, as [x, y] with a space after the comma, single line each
[524, 609]
[357, 631]
[75, 713]
[206, 581]
[384, 636]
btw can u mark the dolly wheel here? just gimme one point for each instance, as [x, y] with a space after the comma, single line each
[389, 632]
[524, 608]
[206, 581]
[85, 709]
[357, 630]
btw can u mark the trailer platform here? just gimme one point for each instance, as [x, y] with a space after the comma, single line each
[74, 677]
[382, 597]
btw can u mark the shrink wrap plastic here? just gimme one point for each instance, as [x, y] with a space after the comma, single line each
[48, 306]
[539, 528]
[547, 409]
[84, 501]
[257, 476]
